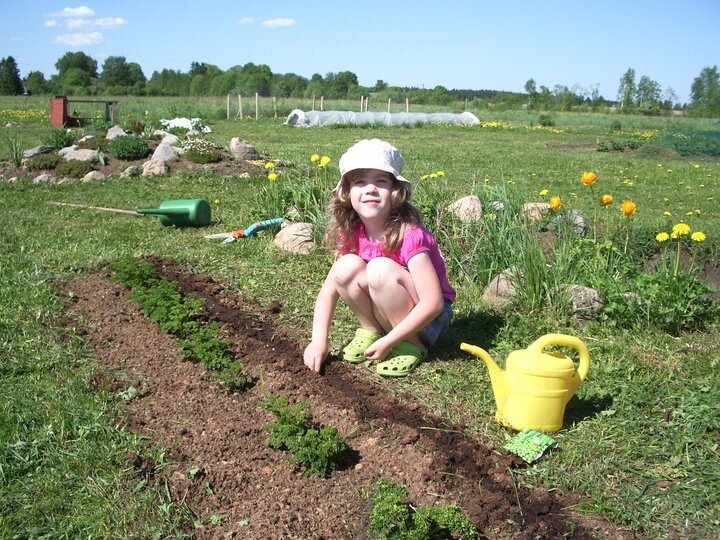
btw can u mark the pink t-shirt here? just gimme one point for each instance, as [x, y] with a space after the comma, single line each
[417, 240]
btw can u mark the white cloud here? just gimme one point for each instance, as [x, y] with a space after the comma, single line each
[79, 24]
[275, 23]
[110, 22]
[246, 20]
[79, 39]
[52, 23]
[80, 11]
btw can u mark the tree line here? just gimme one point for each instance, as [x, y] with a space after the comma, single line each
[77, 74]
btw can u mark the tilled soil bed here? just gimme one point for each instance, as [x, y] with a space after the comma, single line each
[258, 491]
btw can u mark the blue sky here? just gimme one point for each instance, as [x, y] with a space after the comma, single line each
[478, 44]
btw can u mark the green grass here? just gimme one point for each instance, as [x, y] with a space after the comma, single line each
[640, 441]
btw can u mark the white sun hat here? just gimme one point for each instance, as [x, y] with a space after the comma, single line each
[372, 154]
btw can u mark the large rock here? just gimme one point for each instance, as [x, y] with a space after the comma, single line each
[81, 154]
[534, 211]
[572, 220]
[36, 151]
[295, 238]
[93, 175]
[467, 209]
[155, 167]
[44, 178]
[501, 289]
[241, 149]
[115, 131]
[165, 152]
[133, 171]
[584, 302]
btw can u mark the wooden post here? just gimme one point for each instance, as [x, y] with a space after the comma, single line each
[257, 106]
[313, 105]
[274, 107]
[389, 105]
[407, 105]
[367, 98]
[321, 102]
[228, 108]
[362, 102]
[240, 106]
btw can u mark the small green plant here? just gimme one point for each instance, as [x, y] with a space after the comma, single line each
[43, 162]
[15, 148]
[318, 450]
[136, 126]
[202, 151]
[546, 120]
[95, 143]
[128, 147]
[615, 126]
[393, 518]
[73, 168]
[60, 138]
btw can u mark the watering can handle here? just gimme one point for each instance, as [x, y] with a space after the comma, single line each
[565, 341]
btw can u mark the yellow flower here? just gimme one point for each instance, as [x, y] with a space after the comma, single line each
[628, 208]
[698, 236]
[681, 229]
[662, 237]
[433, 175]
[270, 165]
[216, 201]
[440, 173]
[606, 199]
[588, 178]
[666, 213]
[272, 176]
[555, 203]
[324, 161]
[314, 158]
[544, 192]
[424, 177]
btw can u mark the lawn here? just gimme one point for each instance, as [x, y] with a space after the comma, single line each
[640, 441]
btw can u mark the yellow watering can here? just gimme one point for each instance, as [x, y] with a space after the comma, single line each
[536, 385]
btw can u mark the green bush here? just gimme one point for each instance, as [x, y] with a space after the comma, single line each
[546, 120]
[95, 143]
[393, 518]
[201, 151]
[136, 126]
[615, 125]
[73, 168]
[42, 162]
[128, 147]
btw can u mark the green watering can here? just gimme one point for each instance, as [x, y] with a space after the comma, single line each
[181, 212]
[178, 212]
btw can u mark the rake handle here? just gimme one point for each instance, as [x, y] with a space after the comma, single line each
[102, 208]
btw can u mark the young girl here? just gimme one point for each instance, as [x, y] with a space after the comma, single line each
[387, 268]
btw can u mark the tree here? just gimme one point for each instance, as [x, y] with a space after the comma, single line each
[10, 82]
[705, 93]
[627, 90]
[78, 60]
[35, 83]
[115, 72]
[531, 89]
[343, 81]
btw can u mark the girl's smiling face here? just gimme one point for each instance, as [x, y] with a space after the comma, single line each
[371, 194]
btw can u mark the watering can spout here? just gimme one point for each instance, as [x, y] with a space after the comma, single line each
[498, 380]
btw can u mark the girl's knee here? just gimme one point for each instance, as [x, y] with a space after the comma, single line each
[383, 271]
[347, 269]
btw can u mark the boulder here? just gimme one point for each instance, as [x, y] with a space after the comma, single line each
[115, 131]
[467, 209]
[241, 149]
[584, 302]
[155, 167]
[295, 238]
[534, 211]
[165, 152]
[44, 178]
[81, 154]
[36, 151]
[501, 289]
[572, 220]
[133, 171]
[93, 175]
[170, 139]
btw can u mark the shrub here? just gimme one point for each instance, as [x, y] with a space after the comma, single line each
[136, 126]
[95, 143]
[128, 147]
[546, 120]
[201, 151]
[59, 138]
[615, 125]
[73, 168]
[42, 162]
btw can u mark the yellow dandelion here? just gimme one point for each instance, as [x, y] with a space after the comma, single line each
[588, 178]
[667, 214]
[544, 192]
[697, 236]
[628, 208]
[270, 165]
[555, 203]
[662, 237]
[324, 160]
[272, 176]
[424, 177]
[440, 173]
[315, 157]
[606, 199]
[681, 229]
[433, 175]
[216, 201]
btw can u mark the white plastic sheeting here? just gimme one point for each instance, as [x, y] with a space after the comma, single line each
[324, 118]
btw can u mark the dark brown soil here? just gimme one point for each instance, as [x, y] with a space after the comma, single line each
[257, 490]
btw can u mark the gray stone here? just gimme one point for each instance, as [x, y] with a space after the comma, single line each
[467, 209]
[44, 178]
[93, 175]
[572, 220]
[82, 154]
[170, 139]
[155, 167]
[36, 151]
[115, 131]
[295, 238]
[534, 211]
[133, 171]
[501, 289]
[584, 302]
[241, 149]
[165, 152]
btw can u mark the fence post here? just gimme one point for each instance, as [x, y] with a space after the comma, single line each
[407, 105]
[257, 106]
[274, 107]
[313, 105]
[366, 102]
[362, 102]
[227, 108]
[239, 107]
[388, 105]
[321, 102]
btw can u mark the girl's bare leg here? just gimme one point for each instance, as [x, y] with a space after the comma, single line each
[349, 274]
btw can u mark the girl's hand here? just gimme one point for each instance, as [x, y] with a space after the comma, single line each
[378, 350]
[315, 354]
